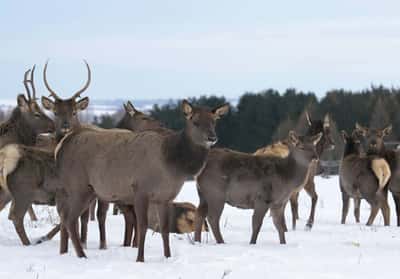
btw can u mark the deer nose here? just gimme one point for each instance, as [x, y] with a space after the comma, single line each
[212, 139]
[65, 125]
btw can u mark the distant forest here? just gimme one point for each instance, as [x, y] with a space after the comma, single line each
[261, 118]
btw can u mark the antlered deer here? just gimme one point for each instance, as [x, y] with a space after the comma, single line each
[26, 123]
[280, 149]
[254, 182]
[363, 177]
[29, 173]
[132, 168]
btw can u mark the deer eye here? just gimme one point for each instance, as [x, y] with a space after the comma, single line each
[74, 113]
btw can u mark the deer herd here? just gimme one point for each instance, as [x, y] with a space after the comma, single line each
[141, 166]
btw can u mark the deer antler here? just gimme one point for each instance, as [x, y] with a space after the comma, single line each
[31, 82]
[26, 81]
[78, 94]
[52, 93]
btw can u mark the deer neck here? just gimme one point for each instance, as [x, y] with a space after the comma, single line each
[16, 130]
[184, 156]
[297, 169]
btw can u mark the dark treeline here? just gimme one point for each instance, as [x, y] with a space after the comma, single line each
[261, 118]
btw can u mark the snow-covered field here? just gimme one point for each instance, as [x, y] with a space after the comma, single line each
[330, 250]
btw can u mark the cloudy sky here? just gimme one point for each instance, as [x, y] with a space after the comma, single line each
[171, 49]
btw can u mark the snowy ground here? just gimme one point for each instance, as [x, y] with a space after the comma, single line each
[330, 250]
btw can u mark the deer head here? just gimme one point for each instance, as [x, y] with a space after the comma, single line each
[352, 143]
[200, 123]
[304, 148]
[30, 110]
[136, 120]
[373, 138]
[324, 127]
[65, 110]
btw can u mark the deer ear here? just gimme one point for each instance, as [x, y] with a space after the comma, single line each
[344, 135]
[221, 110]
[361, 130]
[387, 130]
[130, 109]
[48, 104]
[82, 104]
[187, 109]
[327, 121]
[23, 103]
[308, 118]
[317, 138]
[293, 138]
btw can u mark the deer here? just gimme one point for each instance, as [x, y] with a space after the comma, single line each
[260, 183]
[363, 177]
[144, 168]
[181, 213]
[280, 149]
[29, 174]
[373, 144]
[26, 123]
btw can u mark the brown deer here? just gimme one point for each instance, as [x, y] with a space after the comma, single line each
[181, 214]
[143, 168]
[32, 176]
[373, 143]
[254, 182]
[363, 177]
[26, 123]
[280, 149]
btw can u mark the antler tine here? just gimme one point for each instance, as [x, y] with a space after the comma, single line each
[28, 92]
[78, 94]
[32, 82]
[52, 93]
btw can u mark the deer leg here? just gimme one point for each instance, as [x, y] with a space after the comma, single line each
[310, 189]
[17, 212]
[63, 239]
[135, 226]
[141, 207]
[396, 199]
[357, 203]
[201, 214]
[214, 215]
[294, 205]
[84, 227]
[385, 209]
[128, 217]
[260, 209]
[102, 208]
[49, 235]
[72, 228]
[92, 210]
[32, 214]
[374, 211]
[345, 206]
[277, 219]
[164, 227]
[115, 209]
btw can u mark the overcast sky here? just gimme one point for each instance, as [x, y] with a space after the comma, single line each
[172, 49]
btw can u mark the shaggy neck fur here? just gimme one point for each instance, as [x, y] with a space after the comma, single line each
[183, 155]
[18, 129]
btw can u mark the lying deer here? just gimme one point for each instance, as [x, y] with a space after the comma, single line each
[28, 174]
[254, 182]
[363, 177]
[143, 168]
[280, 149]
[26, 123]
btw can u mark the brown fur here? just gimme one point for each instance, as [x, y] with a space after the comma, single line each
[129, 156]
[278, 149]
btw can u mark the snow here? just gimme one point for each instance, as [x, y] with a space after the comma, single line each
[330, 250]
